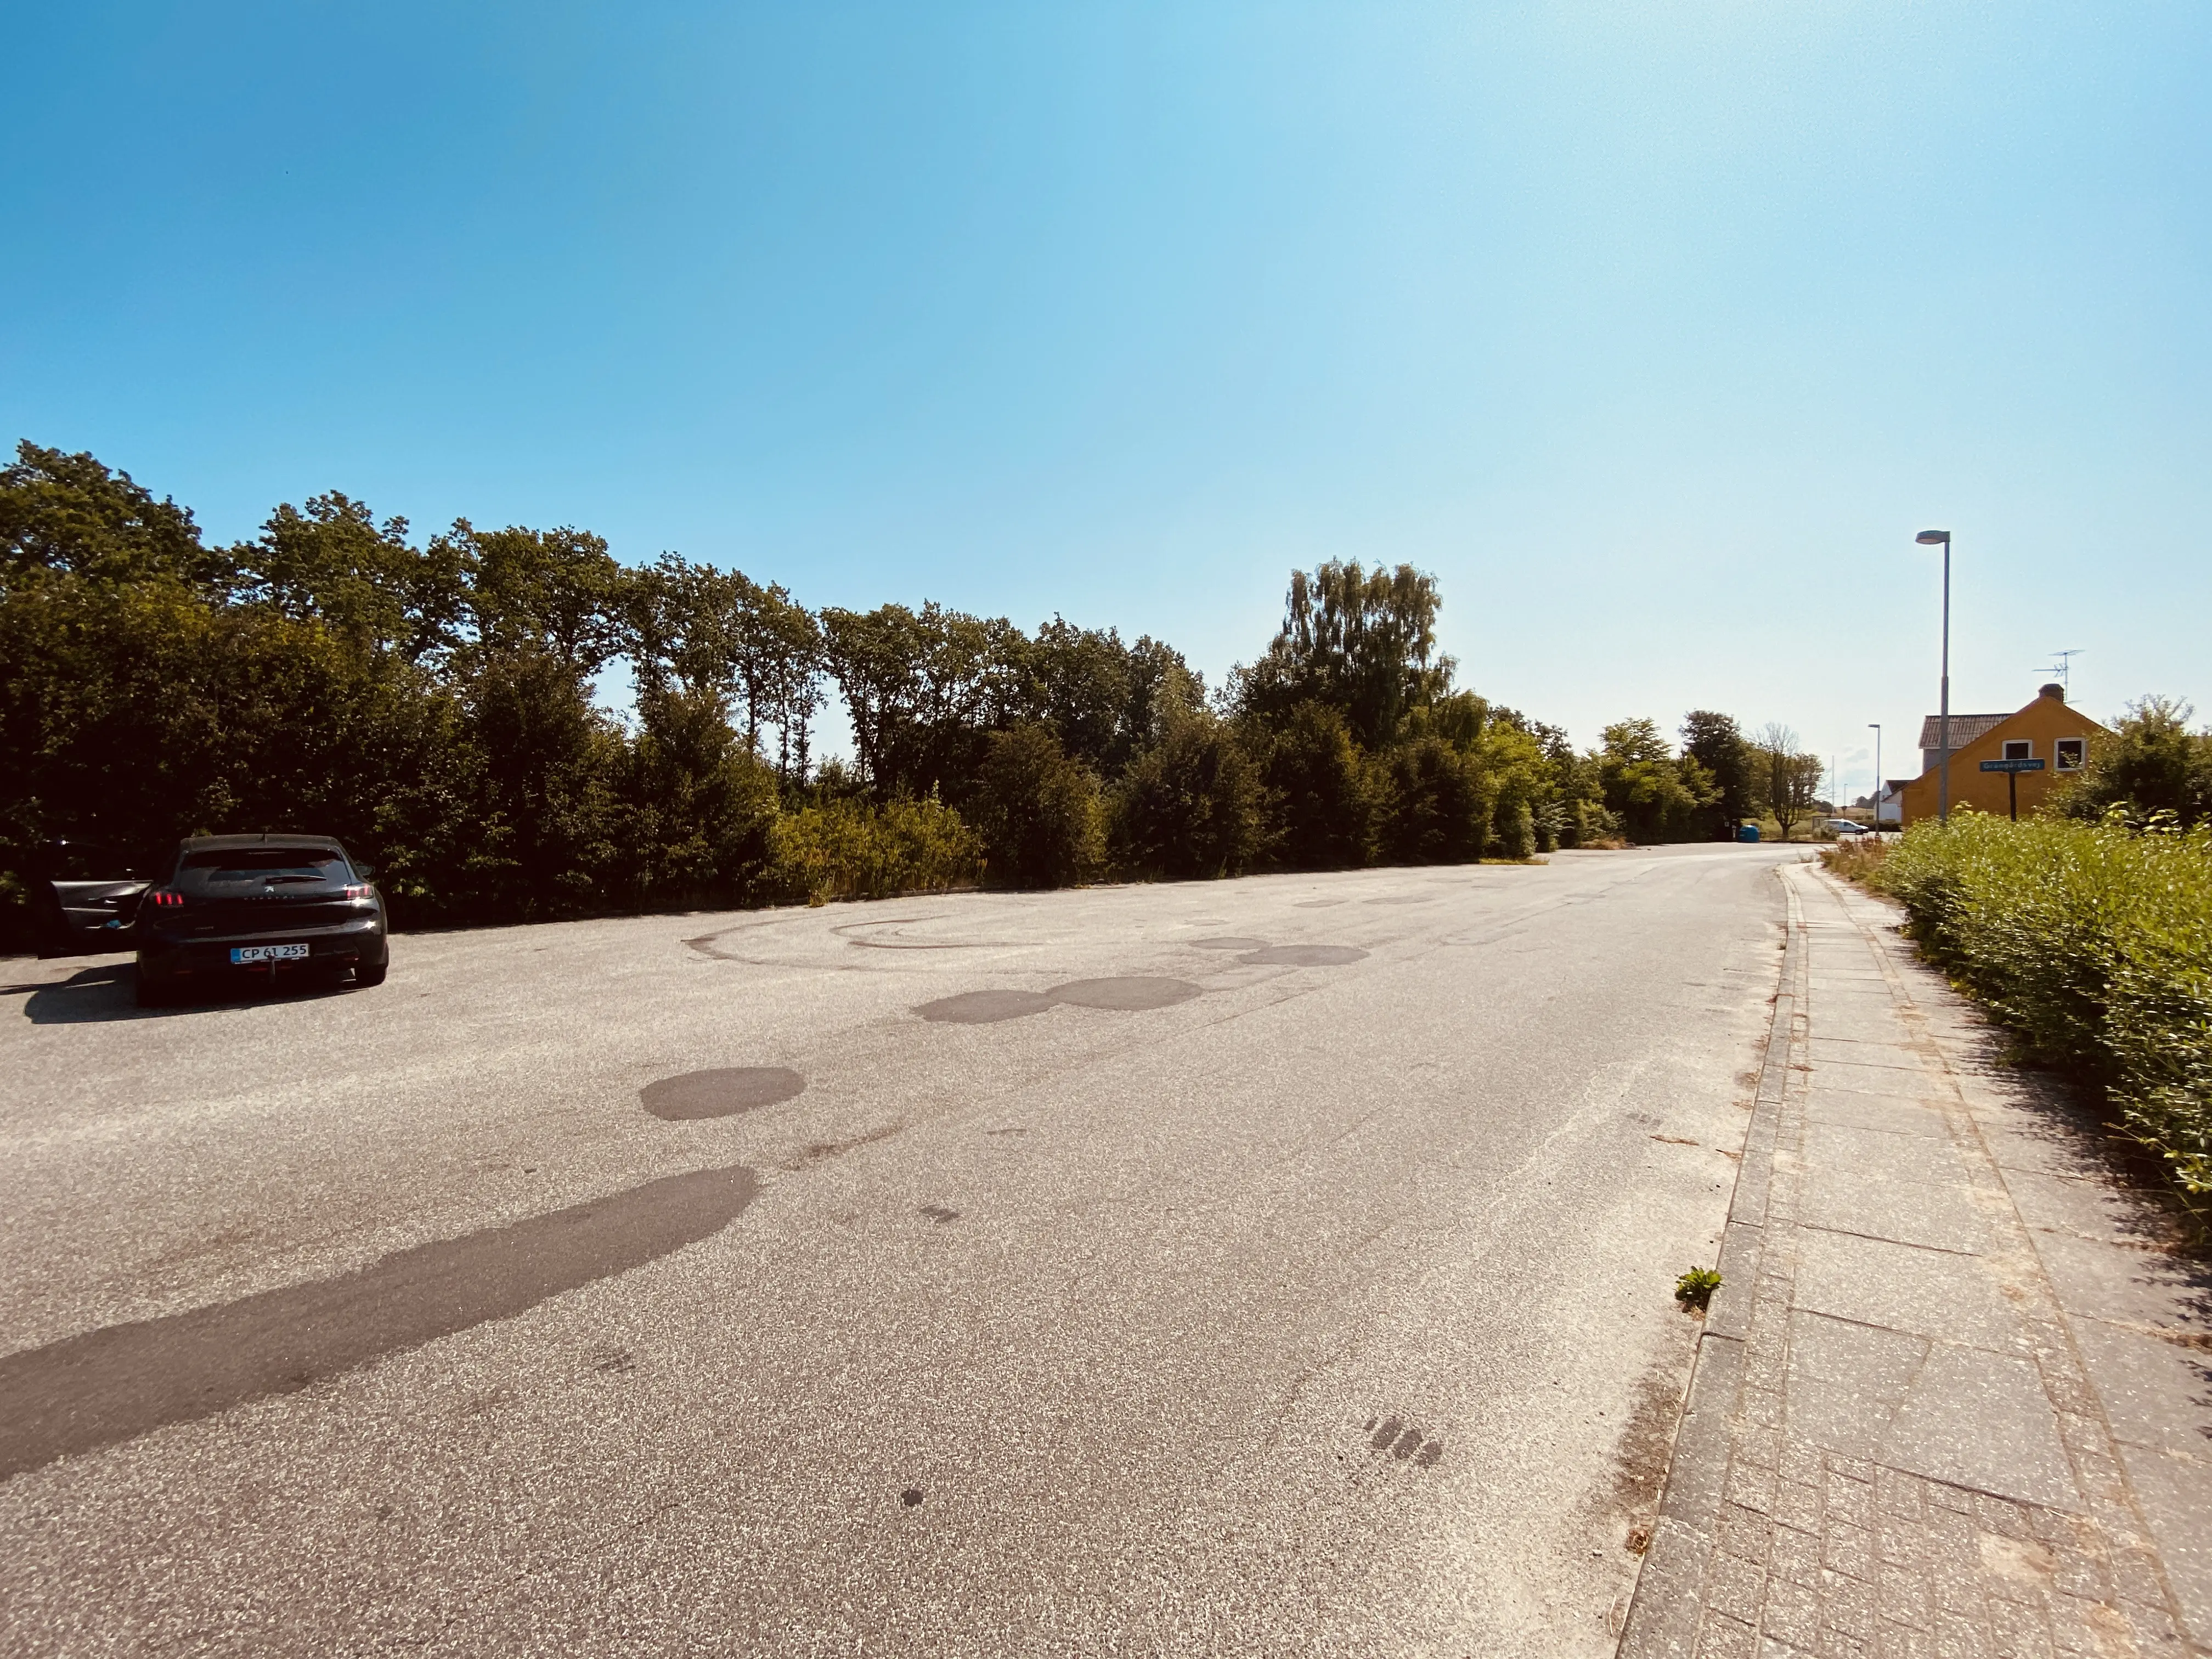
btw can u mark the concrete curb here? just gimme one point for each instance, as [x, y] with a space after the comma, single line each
[1669, 1598]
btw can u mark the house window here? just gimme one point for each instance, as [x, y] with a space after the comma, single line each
[2018, 749]
[2070, 753]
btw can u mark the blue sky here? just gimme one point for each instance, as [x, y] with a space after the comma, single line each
[1654, 330]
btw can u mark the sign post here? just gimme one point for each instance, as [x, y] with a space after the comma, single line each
[2012, 769]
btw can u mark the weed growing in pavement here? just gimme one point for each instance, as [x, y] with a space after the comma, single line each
[1694, 1289]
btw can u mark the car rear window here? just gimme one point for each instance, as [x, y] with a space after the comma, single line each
[238, 868]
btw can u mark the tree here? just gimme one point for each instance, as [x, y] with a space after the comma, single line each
[1512, 759]
[779, 666]
[1788, 780]
[1189, 807]
[333, 563]
[2151, 762]
[1437, 807]
[1037, 810]
[1362, 643]
[556, 591]
[700, 806]
[547, 764]
[68, 514]
[434, 705]
[1321, 793]
[1715, 742]
[923, 689]
[1656, 798]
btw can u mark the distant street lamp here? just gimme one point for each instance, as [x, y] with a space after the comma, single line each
[1876, 725]
[1929, 538]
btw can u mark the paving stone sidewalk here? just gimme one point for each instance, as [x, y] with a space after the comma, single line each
[1955, 1397]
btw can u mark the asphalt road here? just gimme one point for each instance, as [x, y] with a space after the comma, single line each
[1263, 1266]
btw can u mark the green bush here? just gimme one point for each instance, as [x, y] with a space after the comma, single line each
[1190, 808]
[846, 848]
[1321, 791]
[2150, 762]
[1437, 807]
[1037, 810]
[1512, 831]
[2093, 945]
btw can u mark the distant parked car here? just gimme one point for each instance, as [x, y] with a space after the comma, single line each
[241, 907]
[1848, 827]
[85, 900]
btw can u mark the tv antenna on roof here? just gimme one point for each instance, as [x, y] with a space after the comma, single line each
[2062, 665]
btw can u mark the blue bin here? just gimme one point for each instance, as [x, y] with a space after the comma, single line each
[1747, 832]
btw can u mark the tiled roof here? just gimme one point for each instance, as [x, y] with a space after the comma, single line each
[1965, 728]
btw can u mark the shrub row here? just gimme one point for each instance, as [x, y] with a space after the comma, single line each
[2093, 944]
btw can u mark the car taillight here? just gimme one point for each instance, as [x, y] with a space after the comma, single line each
[357, 891]
[166, 898]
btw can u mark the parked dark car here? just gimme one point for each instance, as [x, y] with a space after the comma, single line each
[242, 907]
[85, 899]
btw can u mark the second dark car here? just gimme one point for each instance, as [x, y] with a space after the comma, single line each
[268, 907]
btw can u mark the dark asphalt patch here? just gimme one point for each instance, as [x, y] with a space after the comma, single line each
[1231, 944]
[1307, 956]
[984, 1008]
[722, 1093]
[1131, 994]
[1127, 995]
[115, 1384]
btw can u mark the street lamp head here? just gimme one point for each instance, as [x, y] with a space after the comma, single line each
[1932, 538]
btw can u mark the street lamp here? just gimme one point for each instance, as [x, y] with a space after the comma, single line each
[1876, 726]
[1929, 538]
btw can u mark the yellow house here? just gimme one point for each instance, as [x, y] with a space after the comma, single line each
[2047, 729]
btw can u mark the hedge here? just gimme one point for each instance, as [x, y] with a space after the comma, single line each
[2093, 944]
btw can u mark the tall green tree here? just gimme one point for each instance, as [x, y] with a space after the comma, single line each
[1717, 744]
[1363, 642]
[923, 690]
[1656, 798]
[557, 591]
[68, 514]
[333, 564]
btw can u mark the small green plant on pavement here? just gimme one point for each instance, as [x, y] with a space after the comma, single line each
[1694, 1289]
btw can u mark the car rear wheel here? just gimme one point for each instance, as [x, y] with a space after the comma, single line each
[154, 993]
[365, 976]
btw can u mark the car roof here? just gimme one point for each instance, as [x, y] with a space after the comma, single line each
[232, 843]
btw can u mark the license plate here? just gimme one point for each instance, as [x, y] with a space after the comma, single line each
[245, 953]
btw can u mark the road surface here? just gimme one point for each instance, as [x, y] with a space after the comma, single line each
[1276, 1266]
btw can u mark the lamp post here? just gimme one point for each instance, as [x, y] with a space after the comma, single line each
[1929, 538]
[1876, 726]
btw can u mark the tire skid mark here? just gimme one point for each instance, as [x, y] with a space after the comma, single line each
[114, 1384]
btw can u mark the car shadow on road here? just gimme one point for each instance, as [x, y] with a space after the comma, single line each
[110, 993]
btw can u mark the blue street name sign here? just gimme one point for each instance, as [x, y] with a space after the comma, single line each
[2012, 766]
